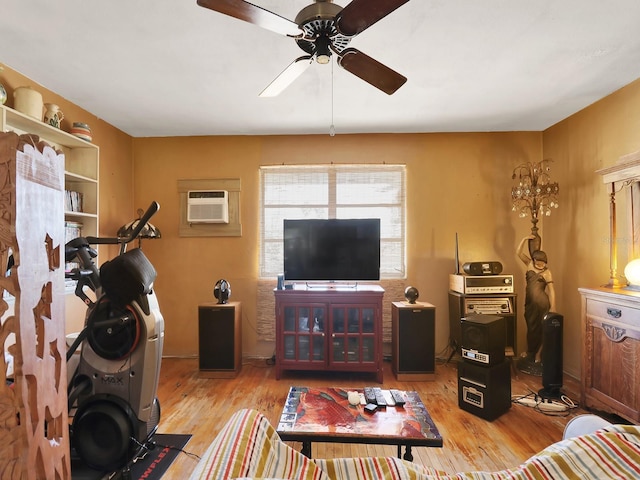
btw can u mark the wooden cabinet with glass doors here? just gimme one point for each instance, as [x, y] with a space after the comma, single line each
[329, 329]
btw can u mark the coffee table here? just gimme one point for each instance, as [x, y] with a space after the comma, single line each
[313, 414]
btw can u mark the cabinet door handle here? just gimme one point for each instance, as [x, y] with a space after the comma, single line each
[614, 312]
[615, 334]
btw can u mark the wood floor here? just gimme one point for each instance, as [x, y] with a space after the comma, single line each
[200, 406]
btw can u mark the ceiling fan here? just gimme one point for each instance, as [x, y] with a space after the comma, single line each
[320, 29]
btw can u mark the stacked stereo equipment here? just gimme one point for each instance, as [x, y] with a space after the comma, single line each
[484, 373]
[489, 293]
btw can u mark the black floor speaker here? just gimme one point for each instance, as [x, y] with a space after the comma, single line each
[413, 341]
[220, 339]
[552, 325]
[484, 391]
[216, 332]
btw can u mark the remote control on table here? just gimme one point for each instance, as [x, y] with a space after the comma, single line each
[398, 398]
[380, 400]
[370, 407]
[369, 395]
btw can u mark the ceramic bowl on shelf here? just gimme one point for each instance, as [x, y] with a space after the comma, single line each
[81, 130]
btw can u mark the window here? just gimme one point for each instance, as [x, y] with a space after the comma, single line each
[333, 191]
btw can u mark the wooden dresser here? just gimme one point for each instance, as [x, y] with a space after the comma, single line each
[611, 351]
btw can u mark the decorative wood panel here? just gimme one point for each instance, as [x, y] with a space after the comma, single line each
[34, 432]
[616, 369]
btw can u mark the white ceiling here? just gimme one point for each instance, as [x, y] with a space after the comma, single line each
[172, 68]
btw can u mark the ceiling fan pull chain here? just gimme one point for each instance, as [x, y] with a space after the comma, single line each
[332, 128]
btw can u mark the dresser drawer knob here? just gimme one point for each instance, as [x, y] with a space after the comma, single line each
[614, 312]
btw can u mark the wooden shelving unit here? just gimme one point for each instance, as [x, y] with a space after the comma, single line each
[81, 173]
[81, 163]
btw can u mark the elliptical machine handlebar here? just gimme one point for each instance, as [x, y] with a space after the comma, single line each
[151, 211]
[81, 247]
[80, 250]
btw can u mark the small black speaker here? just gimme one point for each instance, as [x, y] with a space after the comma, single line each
[483, 339]
[484, 391]
[482, 268]
[552, 325]
[222, 291]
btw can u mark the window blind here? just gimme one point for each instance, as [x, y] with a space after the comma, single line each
[333, 191]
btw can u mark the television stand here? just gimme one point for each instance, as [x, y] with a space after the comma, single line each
[330, 328]
[331, 285]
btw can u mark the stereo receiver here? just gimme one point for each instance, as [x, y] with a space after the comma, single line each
[483, 284]
[488, 305]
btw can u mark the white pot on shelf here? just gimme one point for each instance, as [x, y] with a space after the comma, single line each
[28, 101]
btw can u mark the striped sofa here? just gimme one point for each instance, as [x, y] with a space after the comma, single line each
[248, 447]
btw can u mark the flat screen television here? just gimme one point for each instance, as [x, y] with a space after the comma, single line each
[332, 250]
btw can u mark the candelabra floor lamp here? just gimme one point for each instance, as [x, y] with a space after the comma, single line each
[534, 195]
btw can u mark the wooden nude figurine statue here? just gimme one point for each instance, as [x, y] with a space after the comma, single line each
[540, 299]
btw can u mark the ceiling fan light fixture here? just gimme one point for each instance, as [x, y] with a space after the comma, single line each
[321, 29]
[323, 52]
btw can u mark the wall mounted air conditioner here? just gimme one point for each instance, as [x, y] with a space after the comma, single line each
[208, 206]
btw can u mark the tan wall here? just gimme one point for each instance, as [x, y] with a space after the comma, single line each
[116, 171]
[577, 234]
[456, 183]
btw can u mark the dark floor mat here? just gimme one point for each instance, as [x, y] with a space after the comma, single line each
[150, 465]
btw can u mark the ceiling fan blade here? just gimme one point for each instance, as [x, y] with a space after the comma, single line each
[288, 75]
[253, 14]
[361, 14]
[371, 71]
